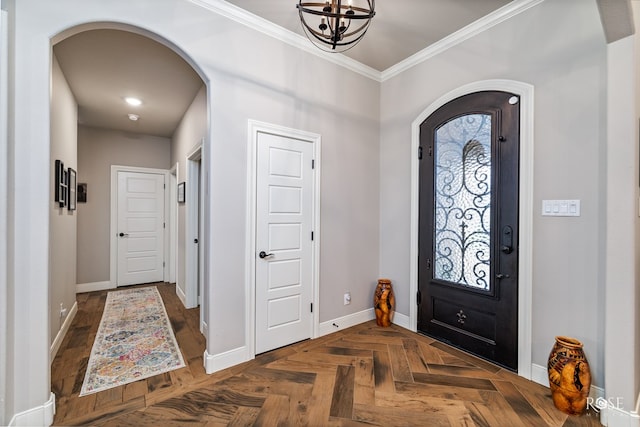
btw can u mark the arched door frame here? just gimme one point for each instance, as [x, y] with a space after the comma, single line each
[525, 267]
[203, 269]
[30, 118]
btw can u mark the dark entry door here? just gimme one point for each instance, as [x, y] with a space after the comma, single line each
[468, 226]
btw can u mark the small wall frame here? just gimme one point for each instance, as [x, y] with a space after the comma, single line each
[60, 184]
[82, 192]
[181, 192]
[71, 189]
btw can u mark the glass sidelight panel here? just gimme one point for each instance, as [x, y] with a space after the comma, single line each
[463, 201]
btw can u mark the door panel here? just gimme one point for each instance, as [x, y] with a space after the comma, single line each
[468, 257]
[284, 191]
[140, 228]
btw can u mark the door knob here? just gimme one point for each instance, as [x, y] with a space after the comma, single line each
[123, 234]
[502, 276]
[263, 254]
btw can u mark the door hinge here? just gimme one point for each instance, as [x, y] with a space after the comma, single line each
[312, 235]
[312, 307]
[429, 151]
[163, 263]
[418, 298]
[428, 263]
[164, 186]
[313, 163]
[419, 153]
[164, 225]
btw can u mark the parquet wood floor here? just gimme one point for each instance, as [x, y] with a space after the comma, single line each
[364, 375]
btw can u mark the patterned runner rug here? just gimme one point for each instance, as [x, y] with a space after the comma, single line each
[134, 341]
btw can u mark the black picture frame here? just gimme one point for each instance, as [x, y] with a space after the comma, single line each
[82, 192]
[71, 189]
[181, 192]
[60, 184]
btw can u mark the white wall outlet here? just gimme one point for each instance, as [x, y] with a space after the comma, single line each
[347, 298]
[63, 311]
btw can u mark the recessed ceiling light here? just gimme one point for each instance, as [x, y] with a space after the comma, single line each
[133, 101]
[133, 117]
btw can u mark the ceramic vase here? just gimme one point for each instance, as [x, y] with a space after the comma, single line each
[569, 376]
[384, 302]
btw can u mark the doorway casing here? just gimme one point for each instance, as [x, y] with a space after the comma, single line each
[30, 402]
[525, 267]
[254, 128]
[173, 223]
[113, 238]
[194, 206]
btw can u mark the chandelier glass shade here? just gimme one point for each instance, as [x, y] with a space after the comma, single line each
[336, 25]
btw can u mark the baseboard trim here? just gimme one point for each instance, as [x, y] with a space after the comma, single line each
[181, 295]
[217, 362]
[39, 416]
[328, 327]
[615, 417]
[94, 286]
[403, 321]
[204, 328]
[539, 375]
[55, 346]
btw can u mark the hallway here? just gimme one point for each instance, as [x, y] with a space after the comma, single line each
[69, 366]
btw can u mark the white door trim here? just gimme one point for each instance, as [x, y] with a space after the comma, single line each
[192, 264]
[113, 230]
[254, 128]
[4, 99]
[525, 263]
[173, 223]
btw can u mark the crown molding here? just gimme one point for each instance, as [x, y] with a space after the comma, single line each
[257, 23]
[496, 17]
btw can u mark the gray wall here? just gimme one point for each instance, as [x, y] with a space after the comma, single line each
[568, 71]
[62, 284]
[98, 149]
[188, 135]
[282, 85]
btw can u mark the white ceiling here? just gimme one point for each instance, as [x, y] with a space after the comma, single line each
[104, 66]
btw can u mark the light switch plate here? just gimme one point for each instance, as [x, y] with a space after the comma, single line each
[561, 208]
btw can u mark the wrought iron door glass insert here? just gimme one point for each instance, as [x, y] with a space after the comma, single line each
[463, 201]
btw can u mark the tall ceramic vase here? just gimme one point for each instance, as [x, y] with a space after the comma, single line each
[569, 376]
[383, 302]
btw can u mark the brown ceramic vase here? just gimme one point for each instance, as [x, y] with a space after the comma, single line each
[383, 302]
[569, 376]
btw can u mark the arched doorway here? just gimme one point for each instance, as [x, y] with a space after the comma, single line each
[91, 59]
[468, 237]
[525, 215]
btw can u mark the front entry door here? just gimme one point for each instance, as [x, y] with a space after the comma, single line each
[468, 226]
[284, 215]
[140, 228]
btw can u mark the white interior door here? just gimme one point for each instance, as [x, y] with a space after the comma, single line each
[140, 228]
[284, 218]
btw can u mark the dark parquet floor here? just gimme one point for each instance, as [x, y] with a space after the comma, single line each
[364, 375]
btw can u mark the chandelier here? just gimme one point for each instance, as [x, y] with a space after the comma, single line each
[336, 25]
